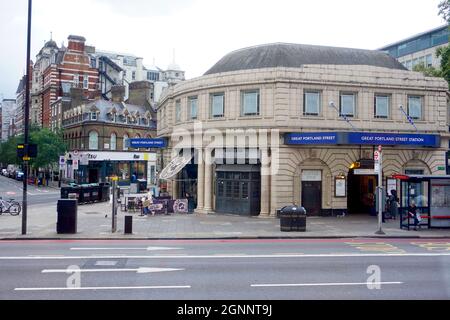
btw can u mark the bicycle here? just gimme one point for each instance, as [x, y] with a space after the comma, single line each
[12, 207]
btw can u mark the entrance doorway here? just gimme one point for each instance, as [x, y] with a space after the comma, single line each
[238, 189]
[93, 175]
[361, 192]
[312, 191]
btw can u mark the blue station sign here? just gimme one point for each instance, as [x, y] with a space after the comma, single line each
[311, 138]
[147, 143]
[362, 138]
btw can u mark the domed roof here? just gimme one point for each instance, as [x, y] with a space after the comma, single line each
[51, 44]
[296, 55]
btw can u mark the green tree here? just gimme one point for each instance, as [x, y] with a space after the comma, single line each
[444, 10]
[427, 71]
[444, 52]
[50, 146]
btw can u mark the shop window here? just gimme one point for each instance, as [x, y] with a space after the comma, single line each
[220, 189]
[245, 190]
[236, 190]
[228, 189]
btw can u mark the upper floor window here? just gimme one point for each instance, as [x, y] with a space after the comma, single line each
[347, 104]
[113, 142]
[85, 82]
[94, 116]
[93, 140]
[217, 105]
[133, 75]
[125, 142]
[382, 106]
[250, 103]
[193, 107]
[76, 80]
[415, 107]
[178, 111]
[311, 103]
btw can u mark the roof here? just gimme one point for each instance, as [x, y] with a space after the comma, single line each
[414, 37]
[296, 55]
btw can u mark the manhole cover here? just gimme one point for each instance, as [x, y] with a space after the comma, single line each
[90, 212]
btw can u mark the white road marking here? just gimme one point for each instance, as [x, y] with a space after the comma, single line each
[137, 270]
[361, 255]
[102, 288]
[104, 249]
[322, 284]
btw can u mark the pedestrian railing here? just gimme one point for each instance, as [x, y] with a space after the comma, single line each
[407, 221]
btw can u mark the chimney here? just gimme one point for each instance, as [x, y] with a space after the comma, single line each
[140, 93]
[117, 93]
[77, 43]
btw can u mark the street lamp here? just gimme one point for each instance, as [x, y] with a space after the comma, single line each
[26, 120]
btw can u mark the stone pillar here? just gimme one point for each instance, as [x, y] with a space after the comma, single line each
[265, 184]
[208, 181]
[200, 182]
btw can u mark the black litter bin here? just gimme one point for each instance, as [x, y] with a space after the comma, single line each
[85, 194]
[94, 193]
[65, 191]
[293, 218]
[67, 216]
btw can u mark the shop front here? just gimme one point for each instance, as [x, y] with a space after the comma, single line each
[97, 167]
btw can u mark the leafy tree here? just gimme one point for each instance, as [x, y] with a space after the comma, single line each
[444, 52]
[427, 71]
[444, 10]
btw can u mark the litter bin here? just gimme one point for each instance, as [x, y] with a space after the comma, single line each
[67, 216]
[293, 218]
[85, 194]
[94, 192]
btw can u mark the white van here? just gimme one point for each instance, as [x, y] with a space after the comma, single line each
[11, 171]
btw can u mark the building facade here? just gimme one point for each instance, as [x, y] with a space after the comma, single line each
[8, 107]
[267, 128]
[97, 132]
[420, 49]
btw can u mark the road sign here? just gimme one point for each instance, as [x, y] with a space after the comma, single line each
[75, 164]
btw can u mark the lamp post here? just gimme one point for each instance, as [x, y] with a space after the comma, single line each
[26, 120]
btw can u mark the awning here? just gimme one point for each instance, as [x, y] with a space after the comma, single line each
[174, 167]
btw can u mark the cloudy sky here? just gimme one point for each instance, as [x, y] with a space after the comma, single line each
[202, 31]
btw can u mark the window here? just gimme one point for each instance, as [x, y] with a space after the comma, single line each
[311, 103]
[415, 107]
[217, 105]
[113, 143]
[347, 106]
[429, 60]
[382, 106]
[133, 75]
[178, 111]
[193, 107]
[250, 103]
[93, 63]
[93, 140]
[85, 82]
[94, 116]
[125, 142]
[76, 80]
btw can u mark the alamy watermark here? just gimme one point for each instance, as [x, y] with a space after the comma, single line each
[230, 146]
[374, 280]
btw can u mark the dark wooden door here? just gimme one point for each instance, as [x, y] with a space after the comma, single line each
[312, 197]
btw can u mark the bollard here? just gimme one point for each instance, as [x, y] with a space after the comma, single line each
[128, 224]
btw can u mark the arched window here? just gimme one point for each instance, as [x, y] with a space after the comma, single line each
[113, 141]
[93, 140]
[125, 139]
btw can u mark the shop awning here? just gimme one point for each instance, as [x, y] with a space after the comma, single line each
[174, 167]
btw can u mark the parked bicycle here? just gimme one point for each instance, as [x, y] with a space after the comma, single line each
[12, 207]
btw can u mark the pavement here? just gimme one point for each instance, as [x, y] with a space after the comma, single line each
[95, 220]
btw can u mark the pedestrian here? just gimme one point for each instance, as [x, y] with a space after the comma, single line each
[191, 204]
[393, 204]
[413, 213]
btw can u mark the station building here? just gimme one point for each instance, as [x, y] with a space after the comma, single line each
[319, 114]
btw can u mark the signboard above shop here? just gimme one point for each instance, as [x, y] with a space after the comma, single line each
[362, 138]
[147, 143]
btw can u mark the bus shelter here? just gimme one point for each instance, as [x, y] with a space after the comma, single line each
[431, 194]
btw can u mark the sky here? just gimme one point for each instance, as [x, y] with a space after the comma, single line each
[200, 32]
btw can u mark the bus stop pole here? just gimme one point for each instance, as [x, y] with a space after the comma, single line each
[380, 191]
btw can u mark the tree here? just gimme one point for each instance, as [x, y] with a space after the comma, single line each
[427, 71]
[444, 10]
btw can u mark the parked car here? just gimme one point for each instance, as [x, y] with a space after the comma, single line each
[11, 171]
[4, 172]
[19, 175]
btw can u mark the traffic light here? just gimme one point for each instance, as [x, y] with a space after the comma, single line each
[26, 152]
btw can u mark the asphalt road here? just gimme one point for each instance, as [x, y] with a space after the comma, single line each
[12, 189]
[226, 269]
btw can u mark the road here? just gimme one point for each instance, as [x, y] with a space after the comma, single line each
[226, 269]
[12, 189]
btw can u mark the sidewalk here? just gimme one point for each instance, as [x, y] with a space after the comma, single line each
[94, 222]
